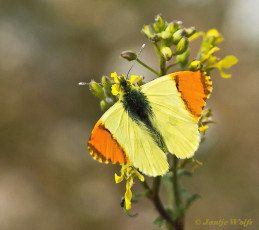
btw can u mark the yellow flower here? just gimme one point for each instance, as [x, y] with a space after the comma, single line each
[225, 63]
[197, 163]
[208, 55]
[115, 77]
[210, 40]
[117, 89]
[207, 50]
[128, 172]
[134, 78]
[196, 35]
[202, 129]
[216, 35]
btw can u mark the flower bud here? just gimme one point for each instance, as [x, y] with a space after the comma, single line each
[178, 35]
[107, 83]
[160, 24]
[129, 55]
[154, 38]
[190, 31]
[182, 59]
[182, 46]
[97, 90]
[148, 31]
[214, 37]
[167, 53]
[194, 65]
[165, 34]
[109, 100]
[104, 105]
[172, 27]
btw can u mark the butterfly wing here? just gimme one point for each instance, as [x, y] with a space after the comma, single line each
[117, 138]
[177, 101]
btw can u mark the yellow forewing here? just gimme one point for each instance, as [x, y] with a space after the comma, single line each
[171, 118]
[135, 139]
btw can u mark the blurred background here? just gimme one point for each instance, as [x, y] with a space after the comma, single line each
[48, 180]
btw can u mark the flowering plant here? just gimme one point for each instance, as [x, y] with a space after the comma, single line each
[171, 44]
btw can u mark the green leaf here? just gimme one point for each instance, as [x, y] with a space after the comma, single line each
[191, 199]
[184, 172]
[159, 221]
[129, 214]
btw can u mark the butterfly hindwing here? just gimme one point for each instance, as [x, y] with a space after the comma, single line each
[132, 139]
[102, 144]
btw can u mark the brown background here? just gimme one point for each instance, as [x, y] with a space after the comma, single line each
[47, 178]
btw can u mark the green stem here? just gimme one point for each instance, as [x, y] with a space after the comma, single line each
[162, 60]
[163, 68]
[156, 185]
[179, 222]
[157, 49]
[175, 182]
[154, 197]
[170, 66]
[146, 66]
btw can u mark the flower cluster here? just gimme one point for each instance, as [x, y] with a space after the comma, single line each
[117, 89]
[169, 34]
[172, 39]
[206, 53]
[128, 173]
[103, 92]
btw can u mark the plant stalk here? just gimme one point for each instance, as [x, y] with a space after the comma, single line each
[179, 222]
[146, 66]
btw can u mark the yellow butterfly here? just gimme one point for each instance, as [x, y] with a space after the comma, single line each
[150, 121]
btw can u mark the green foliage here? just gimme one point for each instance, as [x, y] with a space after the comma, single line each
[191, 199]
[159, 221]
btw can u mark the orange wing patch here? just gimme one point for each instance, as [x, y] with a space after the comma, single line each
[195, 88]
[104, 148]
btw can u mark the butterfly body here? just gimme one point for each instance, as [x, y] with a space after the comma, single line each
[150, 121]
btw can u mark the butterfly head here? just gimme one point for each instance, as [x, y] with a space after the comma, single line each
[123, 85]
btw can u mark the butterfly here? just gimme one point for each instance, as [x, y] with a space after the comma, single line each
[151, 121]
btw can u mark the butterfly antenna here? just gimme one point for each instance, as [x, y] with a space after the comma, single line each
[91, 83]
[142, 47]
